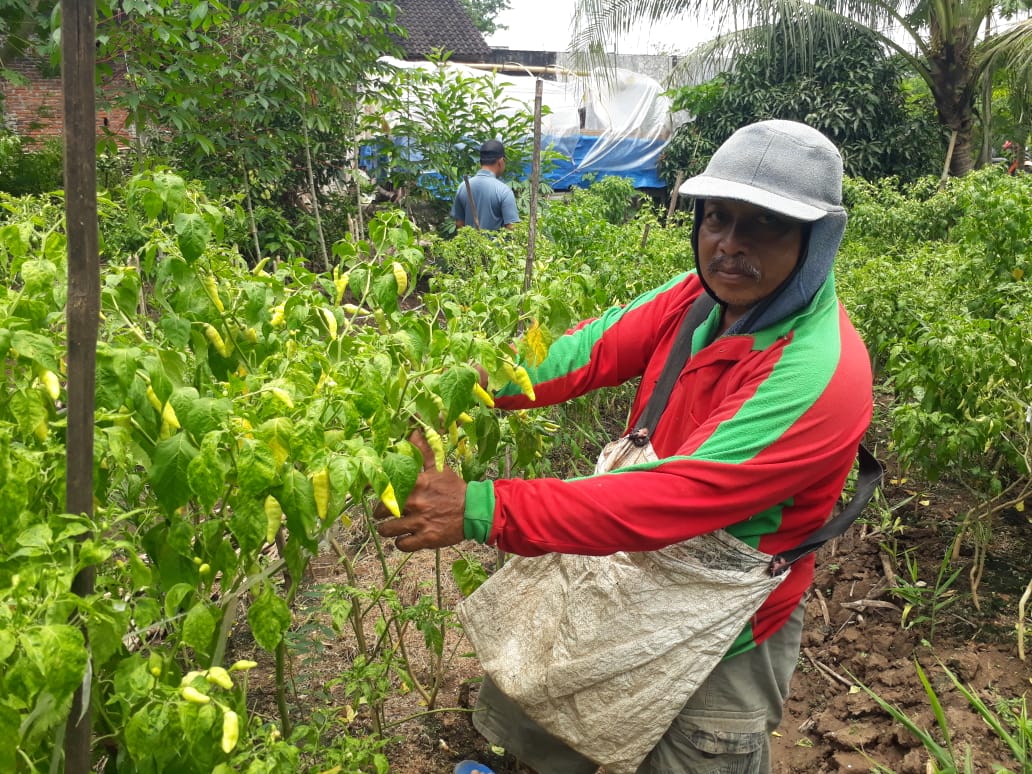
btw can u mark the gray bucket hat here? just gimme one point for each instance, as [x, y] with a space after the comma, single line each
[783, 166]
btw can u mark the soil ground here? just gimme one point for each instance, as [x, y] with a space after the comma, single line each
[856, 633]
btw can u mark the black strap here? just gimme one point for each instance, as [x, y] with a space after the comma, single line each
[869, 476]
[678, 356]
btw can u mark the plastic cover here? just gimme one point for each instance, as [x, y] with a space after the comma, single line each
[615, 128]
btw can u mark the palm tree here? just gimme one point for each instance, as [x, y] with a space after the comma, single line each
[939, 39]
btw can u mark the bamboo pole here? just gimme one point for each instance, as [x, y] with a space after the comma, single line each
[949, 160]
[535, 178]
[78, 60]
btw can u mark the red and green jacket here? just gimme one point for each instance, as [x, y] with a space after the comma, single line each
[757, 438]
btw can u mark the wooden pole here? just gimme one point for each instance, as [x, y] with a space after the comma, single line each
[675, 195]
[949, 160]
[535, 178]
[78, 60]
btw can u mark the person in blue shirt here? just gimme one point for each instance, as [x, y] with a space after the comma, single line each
[494, 205]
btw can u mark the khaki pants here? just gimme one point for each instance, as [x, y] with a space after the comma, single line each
[723, 729]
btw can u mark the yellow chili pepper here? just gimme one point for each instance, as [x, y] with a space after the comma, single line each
[522, 380]
[230, 730]
[224, 348]
[483, 395]
[194, 696]
[51, 383]
[243, 665]
[273, 518]
[400, 277]
[153, 399]
[389, 499]
[321, 490]
[208, 281]
[169, 420]
[278, 316]
[220, 677]
[433, 439]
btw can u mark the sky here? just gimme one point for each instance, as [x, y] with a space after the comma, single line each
[544, 25]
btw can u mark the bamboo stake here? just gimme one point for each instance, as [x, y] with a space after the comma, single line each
[535, 177]
[949, 159]
[674, 195]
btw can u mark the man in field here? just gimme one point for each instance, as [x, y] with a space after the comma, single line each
[493, 205]
[757, 438]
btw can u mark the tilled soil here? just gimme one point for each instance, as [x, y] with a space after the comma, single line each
[857, 633]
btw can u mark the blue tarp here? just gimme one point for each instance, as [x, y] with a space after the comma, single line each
[596, 157]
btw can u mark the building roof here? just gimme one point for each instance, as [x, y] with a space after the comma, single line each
[440, 24]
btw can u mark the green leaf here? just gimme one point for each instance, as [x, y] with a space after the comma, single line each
[456, 389]
[402, 470]
[170, 471]
[469, 575]
[247, 523]
[29, 409]
[199, 628]
[35, 347]
[298, 500]
[206, 473]
[194, 233]
[256, 468]
[38, 276]
[269, 618]
[59, 652]
[197, 415]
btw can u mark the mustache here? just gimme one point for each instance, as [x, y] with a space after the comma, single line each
[731, 265]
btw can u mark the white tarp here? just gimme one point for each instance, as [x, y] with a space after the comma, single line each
[618, 126]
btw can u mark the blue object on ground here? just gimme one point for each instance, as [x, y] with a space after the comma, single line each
[469, 767]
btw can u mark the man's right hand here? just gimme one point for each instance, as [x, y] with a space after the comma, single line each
[434, 511]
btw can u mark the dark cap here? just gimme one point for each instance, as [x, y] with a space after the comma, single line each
[491, 151]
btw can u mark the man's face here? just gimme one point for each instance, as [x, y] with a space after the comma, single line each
[746, 252]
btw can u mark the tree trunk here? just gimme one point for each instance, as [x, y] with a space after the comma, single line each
[954, 93]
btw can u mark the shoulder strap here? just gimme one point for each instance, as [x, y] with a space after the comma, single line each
[471, 202]
[869, 478]
[697, 312]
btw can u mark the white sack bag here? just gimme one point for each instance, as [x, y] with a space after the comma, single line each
[604, 651]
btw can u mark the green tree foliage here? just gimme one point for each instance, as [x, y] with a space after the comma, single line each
[484, 13]
[941, 40]
[852, 92]
[252, 95]
[23, 24]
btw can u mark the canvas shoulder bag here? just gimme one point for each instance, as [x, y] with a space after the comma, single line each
[604, 651]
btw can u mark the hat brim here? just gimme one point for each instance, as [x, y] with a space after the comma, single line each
[703, 187]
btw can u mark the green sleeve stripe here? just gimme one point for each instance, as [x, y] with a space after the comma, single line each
[478, 516]
[795, 383]
[572, 352]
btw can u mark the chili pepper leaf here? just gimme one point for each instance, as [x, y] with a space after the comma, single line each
[206, 473]
[402, 471]
[169, 470]
[193, 234]
[469, 575]
[199, 627]
[298, 500]
[269, 618]
[256, 467]
[198, 415]
[456, 389]
[247, 523]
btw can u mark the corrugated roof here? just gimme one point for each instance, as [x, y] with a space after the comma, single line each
[444, 24]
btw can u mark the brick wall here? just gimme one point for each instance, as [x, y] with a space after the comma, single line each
[36, 110]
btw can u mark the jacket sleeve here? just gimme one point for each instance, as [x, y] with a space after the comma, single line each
[605, 351]
[767, 463]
